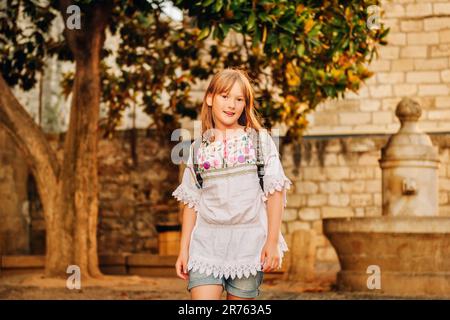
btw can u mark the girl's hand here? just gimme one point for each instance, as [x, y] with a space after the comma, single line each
[270, 257]
[181, 265]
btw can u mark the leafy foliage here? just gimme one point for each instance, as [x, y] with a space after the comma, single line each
[159, 60]
[23, 47]
[299, 53]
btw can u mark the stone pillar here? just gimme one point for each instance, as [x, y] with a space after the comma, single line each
[405, 251]
[409, 164]
[300, 258]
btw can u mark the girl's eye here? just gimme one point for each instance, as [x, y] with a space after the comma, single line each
[224, 96]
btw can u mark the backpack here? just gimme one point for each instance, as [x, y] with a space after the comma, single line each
[259, 159]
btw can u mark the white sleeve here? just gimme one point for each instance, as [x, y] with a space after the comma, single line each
[274, 177]
[187, 191]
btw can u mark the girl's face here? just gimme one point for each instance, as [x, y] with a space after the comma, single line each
[227, 107]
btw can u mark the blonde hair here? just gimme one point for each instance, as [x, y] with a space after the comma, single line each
[223, 81]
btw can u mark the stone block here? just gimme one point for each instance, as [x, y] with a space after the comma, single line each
[433, 90]
[414, 52]
[339, 200]
[309, 214]
[418, 10]
[301, 266]
[336, 212]
[316, 200]
[423, 77]
[421, 38]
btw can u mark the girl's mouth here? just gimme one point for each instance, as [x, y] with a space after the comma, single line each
[230, 114]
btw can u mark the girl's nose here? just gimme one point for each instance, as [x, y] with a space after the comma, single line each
[232, 105]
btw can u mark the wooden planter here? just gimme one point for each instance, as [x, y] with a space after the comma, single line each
[169, 235]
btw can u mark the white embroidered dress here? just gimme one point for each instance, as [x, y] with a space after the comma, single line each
[231, 225]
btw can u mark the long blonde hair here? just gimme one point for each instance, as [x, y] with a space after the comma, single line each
[223, 81]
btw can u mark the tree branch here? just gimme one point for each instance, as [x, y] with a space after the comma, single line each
[28, 135]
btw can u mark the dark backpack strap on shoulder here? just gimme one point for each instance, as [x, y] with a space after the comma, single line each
[259, 156]
[198, 176]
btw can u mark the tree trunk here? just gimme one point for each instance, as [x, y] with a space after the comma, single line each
[73, 236]
[69, 193]
[72, 239]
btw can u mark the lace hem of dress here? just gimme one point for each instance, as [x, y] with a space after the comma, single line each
[232, 270]
[181, 194]
[279, 184]
[218, 270]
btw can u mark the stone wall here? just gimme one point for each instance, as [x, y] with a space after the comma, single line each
[14, 213]
[135, 193]
[415, 63]
[340, 177]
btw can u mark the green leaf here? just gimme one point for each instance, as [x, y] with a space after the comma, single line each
[237, 27]
[216, 33]
[385, 32]
[263, 16]
[300, 49]
[207, 3]
[204, 33]
[224, 28]
[218, 6]
[314, 31]
[256, 37]
[251, 22]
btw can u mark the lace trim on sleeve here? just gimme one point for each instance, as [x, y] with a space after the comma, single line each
[182, 194]
[279, 184]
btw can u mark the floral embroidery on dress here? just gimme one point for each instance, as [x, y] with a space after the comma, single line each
[232, 152]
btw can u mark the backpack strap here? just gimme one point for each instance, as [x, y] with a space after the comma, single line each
[198, 176]
[256, 139]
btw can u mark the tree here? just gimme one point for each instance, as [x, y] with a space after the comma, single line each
[68, 191]
[302, 51]
[151, 49]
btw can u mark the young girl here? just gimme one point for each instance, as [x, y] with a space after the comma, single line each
[231, 226]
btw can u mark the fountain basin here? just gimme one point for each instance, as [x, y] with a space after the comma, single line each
[413, 253]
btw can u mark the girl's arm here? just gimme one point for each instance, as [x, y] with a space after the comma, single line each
[188, 222]
[189, 218]
[274, 214]
[275, 185]
[189, 195]
[270, 256]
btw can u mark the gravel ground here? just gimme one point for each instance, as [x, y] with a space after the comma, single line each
[136, 288]
[97, 293]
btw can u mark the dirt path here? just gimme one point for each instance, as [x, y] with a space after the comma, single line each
[122, 288]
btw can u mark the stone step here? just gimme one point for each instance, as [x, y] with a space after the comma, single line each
[147, 265]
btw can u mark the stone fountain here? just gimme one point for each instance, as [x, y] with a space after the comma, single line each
[408, 247]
